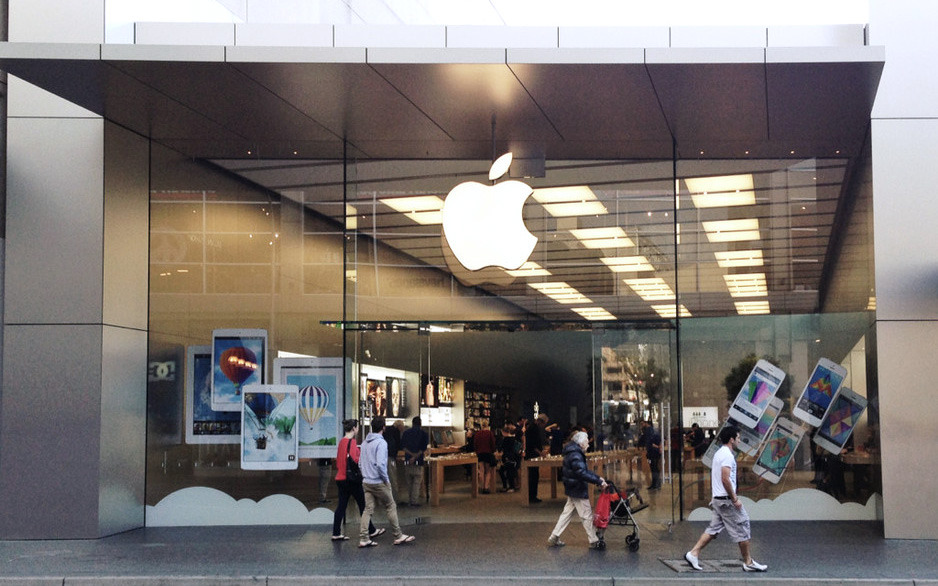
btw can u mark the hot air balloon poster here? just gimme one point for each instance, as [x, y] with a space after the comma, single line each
[319, 399]
[269, 426]
[238, 359]
[204, 425]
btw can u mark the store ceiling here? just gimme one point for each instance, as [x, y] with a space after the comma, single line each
[261, 118]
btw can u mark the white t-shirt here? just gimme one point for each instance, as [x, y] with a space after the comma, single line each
[724, 458]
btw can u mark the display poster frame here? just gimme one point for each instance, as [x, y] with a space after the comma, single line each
[320, 384]
[236, 347]
[205, 425]
[269, 435]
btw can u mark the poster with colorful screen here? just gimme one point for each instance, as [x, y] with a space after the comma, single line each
[238, 359]
[319, 381]
[841, 419]
[761, 385]
[751, 439]
[269, 438]
[204, 425]
[818, 393]
[778, 450]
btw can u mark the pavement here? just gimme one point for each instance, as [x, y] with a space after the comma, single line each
[452, 554]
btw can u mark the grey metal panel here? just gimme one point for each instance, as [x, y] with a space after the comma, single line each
[733, 95]
[350, 100]
[252, 54]
[126, 227]
[54, 222]
[230, 99]
[624, 109]
[76, 21]
[462, 99]
[904, 212]
[50, 431]
[26, 99]
[908, 411]
[123, 429]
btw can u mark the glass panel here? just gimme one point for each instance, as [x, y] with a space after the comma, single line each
[599, 225]
[637, 403]
[717, 356]
[226, 255]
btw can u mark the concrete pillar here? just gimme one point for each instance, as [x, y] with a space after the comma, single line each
[905, 210]
[73, 403]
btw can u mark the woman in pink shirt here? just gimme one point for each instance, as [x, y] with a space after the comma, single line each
[348, 448]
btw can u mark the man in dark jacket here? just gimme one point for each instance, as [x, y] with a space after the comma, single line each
[575, 478]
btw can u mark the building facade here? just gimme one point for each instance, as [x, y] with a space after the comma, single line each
[155, 193]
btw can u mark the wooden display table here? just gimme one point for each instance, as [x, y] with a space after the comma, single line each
[437, 467]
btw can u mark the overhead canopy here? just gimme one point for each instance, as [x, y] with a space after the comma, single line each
[221, 102]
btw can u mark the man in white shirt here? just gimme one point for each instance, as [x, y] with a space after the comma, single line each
[728, 511]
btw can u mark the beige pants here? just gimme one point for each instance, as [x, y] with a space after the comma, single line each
[582, 508]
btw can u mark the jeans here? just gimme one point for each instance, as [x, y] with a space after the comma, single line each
[378, 494]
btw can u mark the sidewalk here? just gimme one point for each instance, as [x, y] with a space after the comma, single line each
[453, 554]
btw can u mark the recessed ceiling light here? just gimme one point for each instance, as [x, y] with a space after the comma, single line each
[594, 313]
[669, 310]
[739, 258]
[529, 269]
[613, 237]
[752, 307]
[728, 190]
[577, 200]
[746, 285]
[626, 264]
[732, 230]
[423, 209]
[652, 289]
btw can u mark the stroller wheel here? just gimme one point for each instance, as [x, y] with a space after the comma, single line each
[634, 545]
[632, 542]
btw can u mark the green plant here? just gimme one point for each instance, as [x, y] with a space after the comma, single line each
[739, 373]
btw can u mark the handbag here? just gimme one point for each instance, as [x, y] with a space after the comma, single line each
[352, 472]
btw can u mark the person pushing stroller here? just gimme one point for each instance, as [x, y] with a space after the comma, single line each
[575, 478]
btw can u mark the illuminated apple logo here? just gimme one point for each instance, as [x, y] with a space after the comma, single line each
[483, 224]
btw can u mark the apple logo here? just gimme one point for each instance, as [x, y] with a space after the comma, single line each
[482, 224]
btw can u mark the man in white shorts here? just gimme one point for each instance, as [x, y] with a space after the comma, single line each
[728, 511]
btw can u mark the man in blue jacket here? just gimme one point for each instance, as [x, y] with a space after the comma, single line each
[575, 478]
[377, 485]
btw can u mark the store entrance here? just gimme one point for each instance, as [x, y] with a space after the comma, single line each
[464, 379]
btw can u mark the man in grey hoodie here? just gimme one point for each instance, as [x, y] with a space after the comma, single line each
[377, 485]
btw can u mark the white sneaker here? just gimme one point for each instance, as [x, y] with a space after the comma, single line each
[693, 561]
[754, 566]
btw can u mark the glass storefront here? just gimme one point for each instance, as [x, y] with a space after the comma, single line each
[651, 286]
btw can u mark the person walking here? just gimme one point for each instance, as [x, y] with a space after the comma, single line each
[651, 441]
[377, 486]
[576, 475]
[348, 487]
[484, 443]
[535, 446]
[728, 511]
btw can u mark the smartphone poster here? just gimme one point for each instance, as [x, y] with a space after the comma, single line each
[751, 439]
[205, 425]
[819, 391]
[778, 450]
[320, 402]
[238, 359]
[842, 417]
[763, 382]
[269, 438]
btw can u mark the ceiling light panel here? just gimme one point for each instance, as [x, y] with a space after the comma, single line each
[627, 264]
[747, 285]
[577, 200]
[669, 310]
[561, 292]
[594, 313]
[732, 230]
[752, 307]
[652, 289]
[739, 258]
[613, 237]
[729, 190]
[529, 269]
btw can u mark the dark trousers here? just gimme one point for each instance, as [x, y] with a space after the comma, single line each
[534, 476]
[508, 473]
[346, 490]
[654, 464]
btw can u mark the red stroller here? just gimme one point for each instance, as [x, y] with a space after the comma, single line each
[615, 507]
